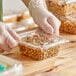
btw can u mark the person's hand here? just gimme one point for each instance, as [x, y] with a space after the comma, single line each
[7, 37]
[46, 20]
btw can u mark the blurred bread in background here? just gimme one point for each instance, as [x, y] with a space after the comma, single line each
[65, 10]
[68, 24]
[62, 7]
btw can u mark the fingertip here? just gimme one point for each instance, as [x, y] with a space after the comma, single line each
[10, 41]
[12, 44]
[14, 34]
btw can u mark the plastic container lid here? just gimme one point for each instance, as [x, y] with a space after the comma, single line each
[46, 41]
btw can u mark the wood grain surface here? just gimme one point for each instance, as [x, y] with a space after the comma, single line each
[64, 63]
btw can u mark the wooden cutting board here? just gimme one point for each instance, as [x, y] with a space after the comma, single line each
[64, 64]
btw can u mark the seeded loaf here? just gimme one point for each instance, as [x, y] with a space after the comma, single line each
[37, 45]
[68, 24]
[62, 7]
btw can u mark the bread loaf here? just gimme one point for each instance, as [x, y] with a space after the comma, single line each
[68, 24]
[38, 45]
[62, 7]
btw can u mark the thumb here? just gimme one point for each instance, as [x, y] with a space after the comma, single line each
[13, 33]
[55, 24]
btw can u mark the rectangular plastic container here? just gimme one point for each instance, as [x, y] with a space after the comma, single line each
[39, 45]
[19, 22]
[10, 67]
[68, 24]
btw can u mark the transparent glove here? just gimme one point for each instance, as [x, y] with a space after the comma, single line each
[7, 37]
[46, 20]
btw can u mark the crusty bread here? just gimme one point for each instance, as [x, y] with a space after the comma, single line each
[68, 24]
[34, 46]
[61, 7]
[38, 54]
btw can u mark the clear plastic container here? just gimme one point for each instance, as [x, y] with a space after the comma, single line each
[39, 45]
[68, 24]
[20, 22]
[62, 7]
[24, 25]
[10, 67]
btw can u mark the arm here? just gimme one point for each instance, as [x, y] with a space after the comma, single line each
[36, 2]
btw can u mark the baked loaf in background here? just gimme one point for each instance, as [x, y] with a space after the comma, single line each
[68, 24]
[65, 10]
[62, 7]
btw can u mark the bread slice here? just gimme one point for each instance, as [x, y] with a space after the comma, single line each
[37, 53]
[62, 7]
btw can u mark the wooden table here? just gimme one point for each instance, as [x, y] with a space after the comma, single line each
[64, 64]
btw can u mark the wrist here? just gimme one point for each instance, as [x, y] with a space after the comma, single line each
[36, 5]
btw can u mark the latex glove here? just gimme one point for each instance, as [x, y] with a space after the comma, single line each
[46, 20]
[7, 37]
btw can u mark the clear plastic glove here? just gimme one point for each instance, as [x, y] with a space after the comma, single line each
[7, 37]
[46, 20]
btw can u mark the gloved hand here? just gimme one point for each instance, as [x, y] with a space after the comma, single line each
[7, 37]
[46, 20]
